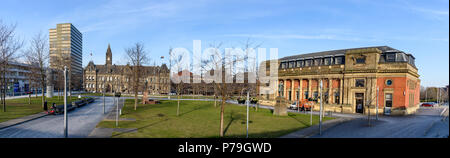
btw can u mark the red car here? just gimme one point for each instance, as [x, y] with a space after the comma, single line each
[427, 104]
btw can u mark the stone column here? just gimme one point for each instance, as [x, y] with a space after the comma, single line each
[284, 88]
[341, 86]
[292, 89]
[309, 88]
[301, 88]
[346, 96]
[330, 91]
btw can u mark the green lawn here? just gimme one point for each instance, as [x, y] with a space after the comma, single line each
[200, 119]
[16, 108]
[96, 94]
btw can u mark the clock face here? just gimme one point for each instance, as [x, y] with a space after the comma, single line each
[108, 58]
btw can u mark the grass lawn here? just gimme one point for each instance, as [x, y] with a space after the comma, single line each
[16, 108]
[96, 94]
[200, 119]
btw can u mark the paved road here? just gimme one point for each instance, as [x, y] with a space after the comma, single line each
[427, 123]
[81, 122]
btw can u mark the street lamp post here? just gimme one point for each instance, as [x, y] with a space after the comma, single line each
[104, 111]
[298, 98]
[321, 109]
[248, 102]
[170, 73]
[65, 102]
[310, 111]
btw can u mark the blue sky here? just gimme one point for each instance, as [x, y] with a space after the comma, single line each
[294, 27]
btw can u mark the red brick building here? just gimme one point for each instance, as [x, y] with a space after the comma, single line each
[350, 80]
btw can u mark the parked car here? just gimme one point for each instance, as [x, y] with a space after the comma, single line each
[427, 104]
[293, 106]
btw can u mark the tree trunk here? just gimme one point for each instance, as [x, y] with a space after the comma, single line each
[29, 98]
[43, 96]
[136, 80]
[4, 88]
[215, 102]
[222, 109]
[178, 107]
[135, 98]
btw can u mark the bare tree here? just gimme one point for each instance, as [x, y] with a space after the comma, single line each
[180, 70]
[216, 64]
[37, 55]
[9, 46]
[137, 57]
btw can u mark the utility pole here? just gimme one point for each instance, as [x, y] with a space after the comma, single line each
[117, 103]
[321, 109]
[65, 102]
[104, 111]
[310, 111]
[248, 102]
[170, 73]
[117, 111]
[426, 97]
[298, 98]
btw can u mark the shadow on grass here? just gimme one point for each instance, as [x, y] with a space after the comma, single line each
[307, 124]
[237, 117]
[271, 134]
[149, 125]
[194, 109]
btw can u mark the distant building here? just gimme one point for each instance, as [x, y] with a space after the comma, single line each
[350, 80]
[113, 78]
[66, 49]
[19, 80]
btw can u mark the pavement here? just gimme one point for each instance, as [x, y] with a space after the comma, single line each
[81, 122]
[112, 116]
[313, 130]
[24, 119]
[426, 123]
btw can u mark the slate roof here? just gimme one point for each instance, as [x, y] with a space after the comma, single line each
[340, 52]
[120, 69]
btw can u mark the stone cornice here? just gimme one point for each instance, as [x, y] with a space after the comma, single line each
[331, 72]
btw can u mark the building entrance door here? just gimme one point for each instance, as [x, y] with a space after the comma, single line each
[359, 97]
[290, 95]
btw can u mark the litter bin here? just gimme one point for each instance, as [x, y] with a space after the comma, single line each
[45, 106]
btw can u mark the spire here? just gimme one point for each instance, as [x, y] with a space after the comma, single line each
[108, 55]
[109, 49]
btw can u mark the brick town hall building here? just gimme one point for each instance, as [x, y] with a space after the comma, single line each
[350, 80]
[112, 78]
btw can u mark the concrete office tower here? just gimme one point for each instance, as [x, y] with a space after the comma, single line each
[66, 49]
